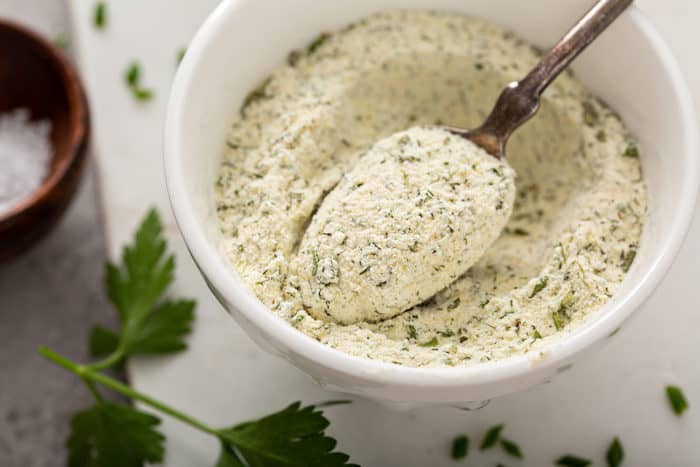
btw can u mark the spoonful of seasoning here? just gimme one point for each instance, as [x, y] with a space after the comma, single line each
[422, 206]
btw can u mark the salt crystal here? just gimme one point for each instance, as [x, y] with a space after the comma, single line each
[25, 156]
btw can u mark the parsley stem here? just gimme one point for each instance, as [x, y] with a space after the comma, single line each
[88, 374]
[114, 358]
[93, 390]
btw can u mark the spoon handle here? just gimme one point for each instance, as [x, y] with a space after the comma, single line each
[520, 100]
[573, 43]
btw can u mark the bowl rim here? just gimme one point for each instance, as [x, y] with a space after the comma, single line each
[79, 119]
[215, 268]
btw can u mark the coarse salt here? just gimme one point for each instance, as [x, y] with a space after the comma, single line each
[25, 155]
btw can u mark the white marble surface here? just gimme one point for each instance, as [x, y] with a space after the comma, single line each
[225, 378]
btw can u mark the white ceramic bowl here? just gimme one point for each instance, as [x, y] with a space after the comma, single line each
[630, 67]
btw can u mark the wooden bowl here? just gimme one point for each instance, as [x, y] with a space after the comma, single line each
[36, 75]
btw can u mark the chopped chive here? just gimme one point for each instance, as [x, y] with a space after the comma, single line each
[677, 399]
[511, 448]
[431, 343]
[615, 454]
[453, 305]
[572, 461]
[539, 286]
[460, 447]
[520, 232]
[100, 15]
[537, 333]
[491, 437]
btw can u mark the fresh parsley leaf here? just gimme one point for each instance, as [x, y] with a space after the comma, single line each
[572, 461]
[135, 287]
[293, 437]
[165, 329]
[460, 447]
[491, 437]
[511, 448]
[677, 399]
[103, 341]
[615, 454]
[111, 435]
[100, 15]
[228, 457]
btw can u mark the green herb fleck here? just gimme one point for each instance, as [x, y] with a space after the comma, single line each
[520, 232]
[314, 262]
[293, 57]
[181, 55]
[615, 454]
[590, 114]
[61, 41]
[567, 301]
[447, 333]
[601, 136]
[484, 303]
[629, 259]
[133, 74]
[143, 95]
[572, 461]
[132, 77]
[539, 286]
[318, 42]
[677, 399]
[511, 448]
[537, 333]
[631, 151]
[431, 343]
[100, 15]
[412, 333]
[460, 447]
[557, 321]
[454, 304]
[491, 437]
[260, 92]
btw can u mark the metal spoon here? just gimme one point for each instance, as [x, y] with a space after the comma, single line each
[520, 100]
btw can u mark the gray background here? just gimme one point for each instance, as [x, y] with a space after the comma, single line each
[51, 296]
